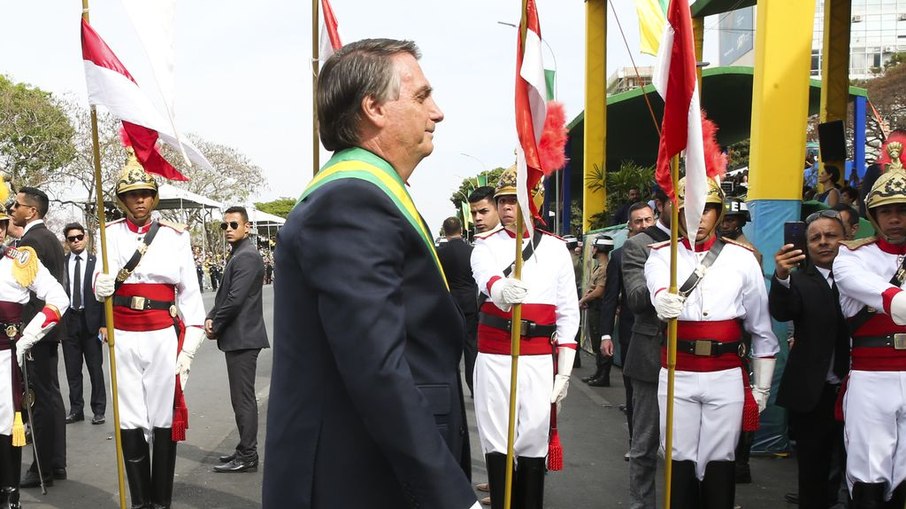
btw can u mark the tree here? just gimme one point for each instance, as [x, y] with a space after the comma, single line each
[619, 182]
[470, 184]
[887, 93]
[279, 207]
[36, 137]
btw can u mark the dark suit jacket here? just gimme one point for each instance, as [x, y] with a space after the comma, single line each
[615, 296]
[643, 361]
[50, 252]
[94, 310]
[820, 327]
[455, 256]
[365, 408]
[238, 313]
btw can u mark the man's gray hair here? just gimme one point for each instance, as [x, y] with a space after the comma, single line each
[358, 70]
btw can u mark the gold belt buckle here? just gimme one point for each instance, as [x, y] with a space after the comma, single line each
[172, 310]
[11, 330]
[703, 347]
[899, 341]
[137, 303]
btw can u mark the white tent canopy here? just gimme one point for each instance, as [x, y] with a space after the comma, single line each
[172, 197]
[263, 219]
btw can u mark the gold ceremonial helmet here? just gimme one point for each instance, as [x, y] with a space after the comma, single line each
[133, 178]
[506, 185]
[714, 195]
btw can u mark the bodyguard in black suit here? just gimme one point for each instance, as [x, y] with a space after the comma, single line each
[455, 255]
[364, 408]
[84, 320]
[49, 426]
[237, 322]
[819, 357]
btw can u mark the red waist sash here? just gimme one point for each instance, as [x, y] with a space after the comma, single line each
[128, 319]
[723, 331]
[497, 341]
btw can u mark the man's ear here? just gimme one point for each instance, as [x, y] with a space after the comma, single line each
[373, 111]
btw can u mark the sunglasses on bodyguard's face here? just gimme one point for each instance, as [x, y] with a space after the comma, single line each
[76, 238]
[233, 225]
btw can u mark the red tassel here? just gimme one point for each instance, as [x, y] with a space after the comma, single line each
[554, 448]
[180, 414]
[838, 404]
[750, 421]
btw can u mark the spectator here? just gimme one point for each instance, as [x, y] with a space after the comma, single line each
[850, 219]
[829, 178]
[484, 209]
[622, 213]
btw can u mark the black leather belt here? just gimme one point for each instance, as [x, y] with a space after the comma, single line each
[139, 303]
[710, 347]
[530, 329]
[895, 341]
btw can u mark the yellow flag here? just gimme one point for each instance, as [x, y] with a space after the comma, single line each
[652, 18]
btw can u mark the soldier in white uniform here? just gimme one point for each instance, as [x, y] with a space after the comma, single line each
[874, 404]
[158, 320]
[550, 315]
[712, 399]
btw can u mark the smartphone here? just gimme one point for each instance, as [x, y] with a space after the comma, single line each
[794, 233]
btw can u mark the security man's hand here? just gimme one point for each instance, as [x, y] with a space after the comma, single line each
[786, 259]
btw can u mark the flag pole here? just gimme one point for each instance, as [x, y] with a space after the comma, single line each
[315, 70]
[108, 303]
[671, 337]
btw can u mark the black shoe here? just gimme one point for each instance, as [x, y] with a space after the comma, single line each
[228, 458]
[98, 419]
[792, 498]
[59, 474]
[71, 418]
[599, 382]
[238, 465]
[31, 480]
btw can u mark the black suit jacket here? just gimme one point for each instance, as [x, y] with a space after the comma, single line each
[238, 314]
[365, 408]
[94, 310]
[455, 257]
[614, 297]
[820, 332]
[50, 252]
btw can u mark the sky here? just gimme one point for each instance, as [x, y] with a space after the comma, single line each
[243, 73]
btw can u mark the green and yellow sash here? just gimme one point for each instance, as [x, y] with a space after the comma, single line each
[361, 164]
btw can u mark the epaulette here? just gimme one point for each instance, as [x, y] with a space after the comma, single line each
[852, 245]
[489, 232]
[747, 247]
[115, 221]
[554, 235]
[25, 264]
[658, 245]
[179, 227]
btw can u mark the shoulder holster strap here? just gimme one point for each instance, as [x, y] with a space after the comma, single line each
[699, 272]
[526, 254]
[140, 251]
[866, 312]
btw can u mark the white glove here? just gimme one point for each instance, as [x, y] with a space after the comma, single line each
[36, 329]
[508, 291]
[565, 358]
[193, 339]
[668, 305]
[763, 370]
[104, 286]
[898, 308]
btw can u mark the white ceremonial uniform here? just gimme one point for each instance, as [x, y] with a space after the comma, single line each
[48, 289]
[874, 404]
[551, 300]
[146, 359]
[709, 391]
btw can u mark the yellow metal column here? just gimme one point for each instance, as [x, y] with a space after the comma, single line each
[593, 201]
[835, 66]
[783, 49]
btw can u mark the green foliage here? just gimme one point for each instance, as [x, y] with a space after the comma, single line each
[470, 184]
[739, 155]
[279, 207]
[618, 182]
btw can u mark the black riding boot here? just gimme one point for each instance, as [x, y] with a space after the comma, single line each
[898, 499]
[137, 461]
[719, 485]
[868, 495]
[528, 491]
[9, 478]
[163, 466]
[497, 478]
[743, 450]
[685, 487]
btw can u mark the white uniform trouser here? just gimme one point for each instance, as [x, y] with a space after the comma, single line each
[874, 408]
[533, 404]
[707, 415]
[146, 378]
[7, 411]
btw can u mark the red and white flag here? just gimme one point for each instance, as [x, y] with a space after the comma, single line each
[681, 128]
[330, 32]
[531, 111]
[111, 85]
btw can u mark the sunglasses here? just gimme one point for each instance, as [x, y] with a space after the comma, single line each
[75, 238]
[232, 225]
[830, 214]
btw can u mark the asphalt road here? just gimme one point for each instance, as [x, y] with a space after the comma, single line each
[592, 428]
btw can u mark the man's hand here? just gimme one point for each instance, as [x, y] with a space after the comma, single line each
[786, 259]
[104, 286]
[668, 305]
[209, 329]
[193, 339]
[898, 308]
[103, 333]
[606, 346]
[508, 291]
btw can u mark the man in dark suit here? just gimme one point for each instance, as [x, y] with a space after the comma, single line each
[237, 322]
[49, 426]
[643, 360]
[365, 408]
[454, 256]
[84, 321]
[819, 357]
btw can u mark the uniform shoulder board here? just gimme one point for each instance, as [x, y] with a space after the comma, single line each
[658, 245]
[747, 247]
[25, 264]
[179, 227]
[852, 245]
[545, 232]
[115, 221]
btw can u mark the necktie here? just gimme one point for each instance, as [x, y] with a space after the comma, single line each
[77, 284]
